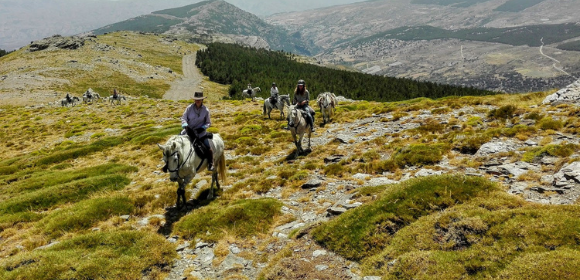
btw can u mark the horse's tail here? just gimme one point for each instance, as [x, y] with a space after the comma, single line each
[222, 169]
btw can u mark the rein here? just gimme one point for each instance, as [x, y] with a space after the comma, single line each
[298, 115]
[179, 166]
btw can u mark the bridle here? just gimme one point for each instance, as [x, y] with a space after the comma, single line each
[179, 166]
[290, 115]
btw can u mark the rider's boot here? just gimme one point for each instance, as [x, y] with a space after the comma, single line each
[210, 160]
[311, 123]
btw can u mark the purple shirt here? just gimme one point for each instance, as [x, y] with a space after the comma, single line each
[196, 117]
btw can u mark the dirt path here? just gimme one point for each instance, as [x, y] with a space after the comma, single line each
[184, 87]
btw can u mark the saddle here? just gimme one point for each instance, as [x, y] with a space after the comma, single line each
[200, 149]
[273, 100]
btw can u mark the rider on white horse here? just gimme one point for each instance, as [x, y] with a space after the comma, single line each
[301, 99]
[195, 121]
[68, 98]
[250, 90]
[274, 94]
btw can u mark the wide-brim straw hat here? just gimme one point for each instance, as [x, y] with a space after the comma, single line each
[198, 96]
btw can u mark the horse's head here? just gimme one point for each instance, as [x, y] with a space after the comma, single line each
[324, 100]
[172, 157]
[285, 99]
[293, 116]
[258, 89]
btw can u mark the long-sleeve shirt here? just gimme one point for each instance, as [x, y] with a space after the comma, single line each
[274, 92]
[196, 117]
[301, 97]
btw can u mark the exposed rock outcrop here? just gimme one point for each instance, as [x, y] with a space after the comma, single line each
[569, 94]
[57, 41]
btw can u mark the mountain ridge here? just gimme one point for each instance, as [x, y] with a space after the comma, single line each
[332, 36]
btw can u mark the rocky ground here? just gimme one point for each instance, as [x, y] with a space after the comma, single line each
[322, 197]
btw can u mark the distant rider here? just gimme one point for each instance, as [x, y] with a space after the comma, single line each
[301, 99]
[250, 90]
[68, 98]
[274, 94]
[115, 94]
[195, 121]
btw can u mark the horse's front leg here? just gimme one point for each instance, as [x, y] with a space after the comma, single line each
[180, 194]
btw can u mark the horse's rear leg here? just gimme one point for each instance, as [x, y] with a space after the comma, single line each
[214, 180]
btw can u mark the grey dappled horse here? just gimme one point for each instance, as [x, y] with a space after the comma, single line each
[73, 100]
[89, 96]
[298, 126]
[253, 95]
[183, 163]
[283, 100]
[327, 103]
[118, 99]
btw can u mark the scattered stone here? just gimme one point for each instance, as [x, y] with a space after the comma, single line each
[336, 210]
[319, 253]
[321, 267]
[313, 183]
[234, 249]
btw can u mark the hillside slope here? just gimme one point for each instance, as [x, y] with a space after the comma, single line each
[459, 187]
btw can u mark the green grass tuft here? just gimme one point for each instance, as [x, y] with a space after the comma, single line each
[242, 218]
[84, 214]
[365, 231]
[102, 255]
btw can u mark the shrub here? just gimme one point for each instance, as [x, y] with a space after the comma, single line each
[502, 113]
[470, 144]
[420, 154]
[549, 123]
[563, 150]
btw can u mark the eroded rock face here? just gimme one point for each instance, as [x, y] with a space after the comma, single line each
[569, 94]
[57, 41]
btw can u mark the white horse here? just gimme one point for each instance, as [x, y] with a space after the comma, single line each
[65, 102]
[90, 95]
[327, 103]
[118, 99]
[245, 93]
[182, 163]
[298, 126]
[282, 101]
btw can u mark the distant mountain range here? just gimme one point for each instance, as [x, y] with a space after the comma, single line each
[23, 21]
[502, 45]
